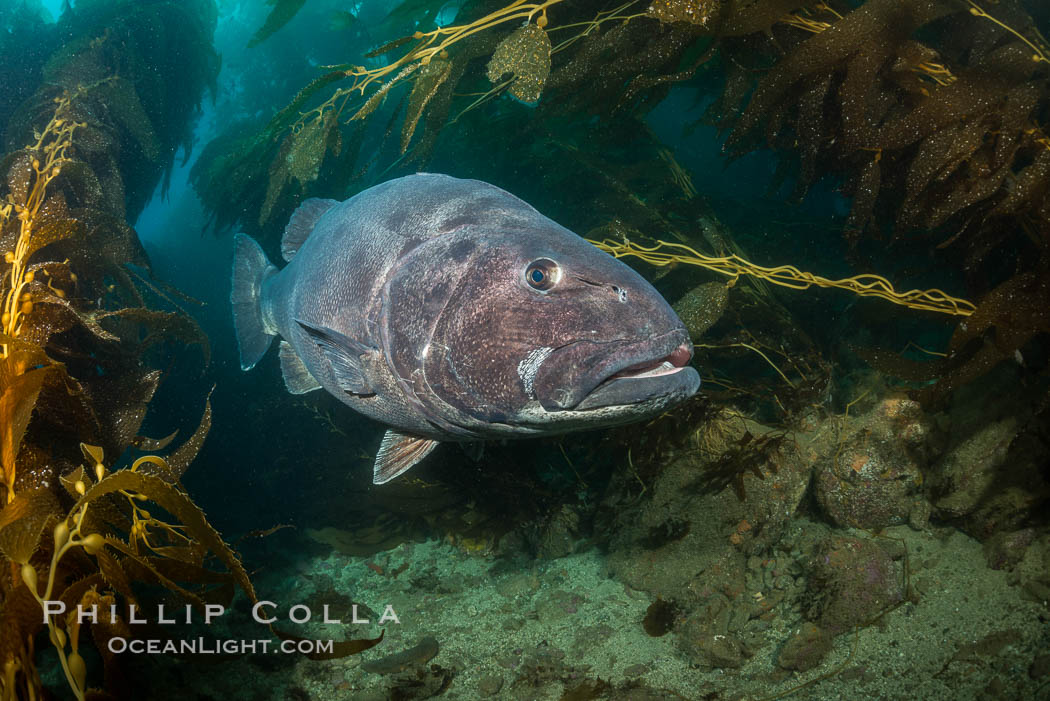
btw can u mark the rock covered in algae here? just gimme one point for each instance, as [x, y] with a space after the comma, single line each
[853, 580]
[708, 510]
[805, 649]
[1032, 573]
[490, 685]
[701, 307]
[992, 477]
[557, 535]
[689, 539]
[709, 649]
[969, 469]
[1005, 550]
[870, 474]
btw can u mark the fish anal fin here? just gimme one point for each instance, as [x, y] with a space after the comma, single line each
[345, 357]
[297, 377]
[397, 453]
[301, 223]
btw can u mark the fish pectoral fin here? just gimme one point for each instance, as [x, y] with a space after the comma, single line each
[397, 453]
[345, 357]
[297, 377]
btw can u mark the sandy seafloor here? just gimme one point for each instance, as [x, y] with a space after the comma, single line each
[965, 633]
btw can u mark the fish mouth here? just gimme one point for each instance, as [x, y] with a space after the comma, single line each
[587, 375]
[666, 376]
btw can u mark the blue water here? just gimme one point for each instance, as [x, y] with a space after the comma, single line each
[754, 548]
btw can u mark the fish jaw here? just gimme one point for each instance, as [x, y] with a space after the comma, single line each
[608, 384]
[584, 375]
[662, 380]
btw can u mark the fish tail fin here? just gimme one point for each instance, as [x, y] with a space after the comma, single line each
[250, 268]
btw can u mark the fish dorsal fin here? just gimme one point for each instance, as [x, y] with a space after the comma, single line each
[345, 356]
[297, 377]
[397, 453]
[302, 223]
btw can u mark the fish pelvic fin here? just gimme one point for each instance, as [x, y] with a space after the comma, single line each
[297, 377]
[397, 453]
[302, 223]
[345, 356]
[250, 269]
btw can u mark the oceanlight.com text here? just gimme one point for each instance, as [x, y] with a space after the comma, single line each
[211, 646]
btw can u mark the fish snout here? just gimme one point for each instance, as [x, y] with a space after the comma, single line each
[657, 361]
[681, 355]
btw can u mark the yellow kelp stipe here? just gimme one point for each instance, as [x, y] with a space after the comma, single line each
[431, 44]
[666, 253]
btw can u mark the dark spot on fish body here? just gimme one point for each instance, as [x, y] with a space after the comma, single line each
[435, 298]
[456, 223]
[461, 250]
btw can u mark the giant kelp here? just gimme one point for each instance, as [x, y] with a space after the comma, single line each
[930, 113]
[933, 114]
[96, 147]
[148, 64]
[444, 74]
[934, 104]
[50, 399]
[85, 150]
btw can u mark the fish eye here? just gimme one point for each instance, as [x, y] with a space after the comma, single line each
[542, 274]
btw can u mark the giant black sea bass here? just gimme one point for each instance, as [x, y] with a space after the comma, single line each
[450, 310]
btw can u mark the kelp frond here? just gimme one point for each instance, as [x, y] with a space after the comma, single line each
[43, 162]
[76, 333]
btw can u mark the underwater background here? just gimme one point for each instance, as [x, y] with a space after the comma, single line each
[846, 202]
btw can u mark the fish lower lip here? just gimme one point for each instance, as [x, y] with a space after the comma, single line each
[664, 380]
[598, 373]
[663, 368]
[668, 375]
